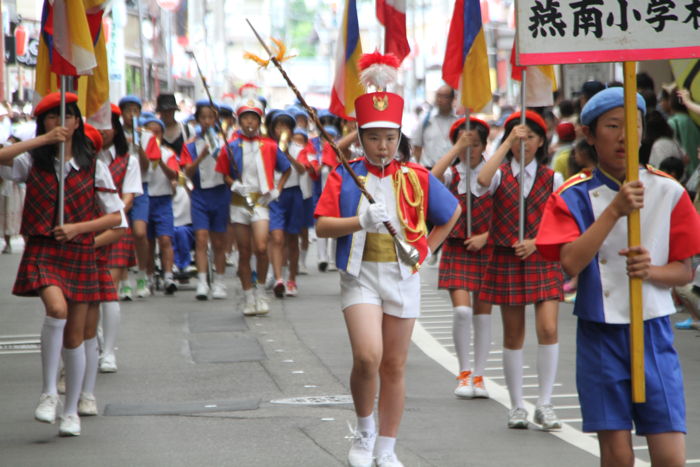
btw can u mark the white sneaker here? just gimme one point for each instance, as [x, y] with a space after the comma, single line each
[202, 291]
[388, 459]
[250, 308]
[303, 270]
[546, 418]
[170, 286]
[142, 289]
[464, 389]
[517, 418]
[269, 281]
[218, 290]
[70, 425]
[360, 454]
[108, 363]
[87, 405]
[262, 304]
[46, 410]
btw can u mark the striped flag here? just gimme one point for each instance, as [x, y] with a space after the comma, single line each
[347, 86]
[95, 101]
[541, 82]
[392, 15]
[466, 64]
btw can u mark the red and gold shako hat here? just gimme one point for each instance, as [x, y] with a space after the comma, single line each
[51, 101]
[531, 115]
[461, 123]
[378, 109]
[250, 104]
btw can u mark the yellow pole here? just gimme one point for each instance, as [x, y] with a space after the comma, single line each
[634, 236]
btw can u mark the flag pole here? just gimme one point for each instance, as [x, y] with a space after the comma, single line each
[634, 236]
[521, 175]
[62, 156]
[468, 174]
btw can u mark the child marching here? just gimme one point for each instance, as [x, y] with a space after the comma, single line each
[517, 275]
[584, 228]
[380, 294]
[464, 258]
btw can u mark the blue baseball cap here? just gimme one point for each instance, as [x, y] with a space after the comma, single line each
[331, 130]
[143, 121]
[301, 131]
[204, 103]
[605, 100]
[130, 100]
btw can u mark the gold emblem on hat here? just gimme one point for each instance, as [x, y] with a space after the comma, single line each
[381, 103]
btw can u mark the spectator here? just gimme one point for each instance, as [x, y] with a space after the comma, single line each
[431, 139]
[658, 142]
[684, 128]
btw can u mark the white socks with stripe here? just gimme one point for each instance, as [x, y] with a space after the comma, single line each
[74, 364]
[91, 358]
[111, 317]
[547, 361]
[513, 370]
[462, 335]
[482, 342]
[51, 344]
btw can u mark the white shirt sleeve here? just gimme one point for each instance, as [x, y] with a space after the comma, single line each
[447, 176]
[558, 181]
[21, 165]
[132, 178]
[478, 190]
[108, 202]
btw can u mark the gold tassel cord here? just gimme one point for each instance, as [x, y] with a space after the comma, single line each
[279, 56]
[401, 192]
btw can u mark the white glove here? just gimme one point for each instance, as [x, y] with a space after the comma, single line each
[238, 187]
[374, 216]
[270, 196]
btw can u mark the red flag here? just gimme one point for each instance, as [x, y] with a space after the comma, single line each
[392, 14]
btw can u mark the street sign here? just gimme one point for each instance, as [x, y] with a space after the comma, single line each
[586, 31]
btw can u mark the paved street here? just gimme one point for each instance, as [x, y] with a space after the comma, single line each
[200, 385]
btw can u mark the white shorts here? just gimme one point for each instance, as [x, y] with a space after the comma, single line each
[242, 215]
[381, 284]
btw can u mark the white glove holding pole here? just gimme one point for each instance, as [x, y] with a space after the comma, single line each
[238, 187]
[374, 216]
[270, 196]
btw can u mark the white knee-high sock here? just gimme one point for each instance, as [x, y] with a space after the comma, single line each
[74, 364]
[51, 344]
[111, 317]
[302, 257]
[482, 342]
[91, 358]
[462, 335]
[547, 361]
[513, 369]
[322, 250]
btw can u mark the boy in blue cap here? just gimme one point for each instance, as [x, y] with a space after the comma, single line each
[584, 227]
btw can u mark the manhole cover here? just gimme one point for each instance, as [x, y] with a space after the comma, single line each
[315, 400]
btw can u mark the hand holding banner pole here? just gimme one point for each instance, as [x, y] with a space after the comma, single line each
[62, 157]
[406, 252]
[634, 236]
[521, 176]
[468, 174]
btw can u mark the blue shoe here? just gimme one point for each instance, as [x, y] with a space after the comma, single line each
[687, 324]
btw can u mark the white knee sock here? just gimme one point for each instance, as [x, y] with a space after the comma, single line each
[74, 364]
[513, 369]
[202, 277]
[366, 424]
[322, 250]
[547, 360]
[482, 342]
[51, 344]
[91, 357]
[111, 317]
[462, 335]
[302, 258]
[384, 444]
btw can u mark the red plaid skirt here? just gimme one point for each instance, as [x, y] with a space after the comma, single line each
[510, 281]
[122, 254]
[70, 266]
[461, 269]
[108, 291]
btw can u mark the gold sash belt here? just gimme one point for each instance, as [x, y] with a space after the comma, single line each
[379, 248]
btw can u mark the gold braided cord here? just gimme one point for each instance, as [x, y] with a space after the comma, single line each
[401, 192]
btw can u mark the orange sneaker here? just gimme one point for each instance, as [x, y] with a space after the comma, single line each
[465, 390]
[479, 388]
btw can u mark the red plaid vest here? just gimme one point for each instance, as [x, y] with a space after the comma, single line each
[482, 207]
[118, 170]
[39, 215]
[505, 205]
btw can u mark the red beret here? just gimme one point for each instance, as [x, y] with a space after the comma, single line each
[531, 115]
[94, 135]
[115, 109]
[566, 131]
[459, 123]
[51, 101]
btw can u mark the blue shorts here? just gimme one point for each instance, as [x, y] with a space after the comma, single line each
[160, 216]
[287, 212]
[210, 209]
[183, 245]
[309, 207]
[603, 379]
[139, 208]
